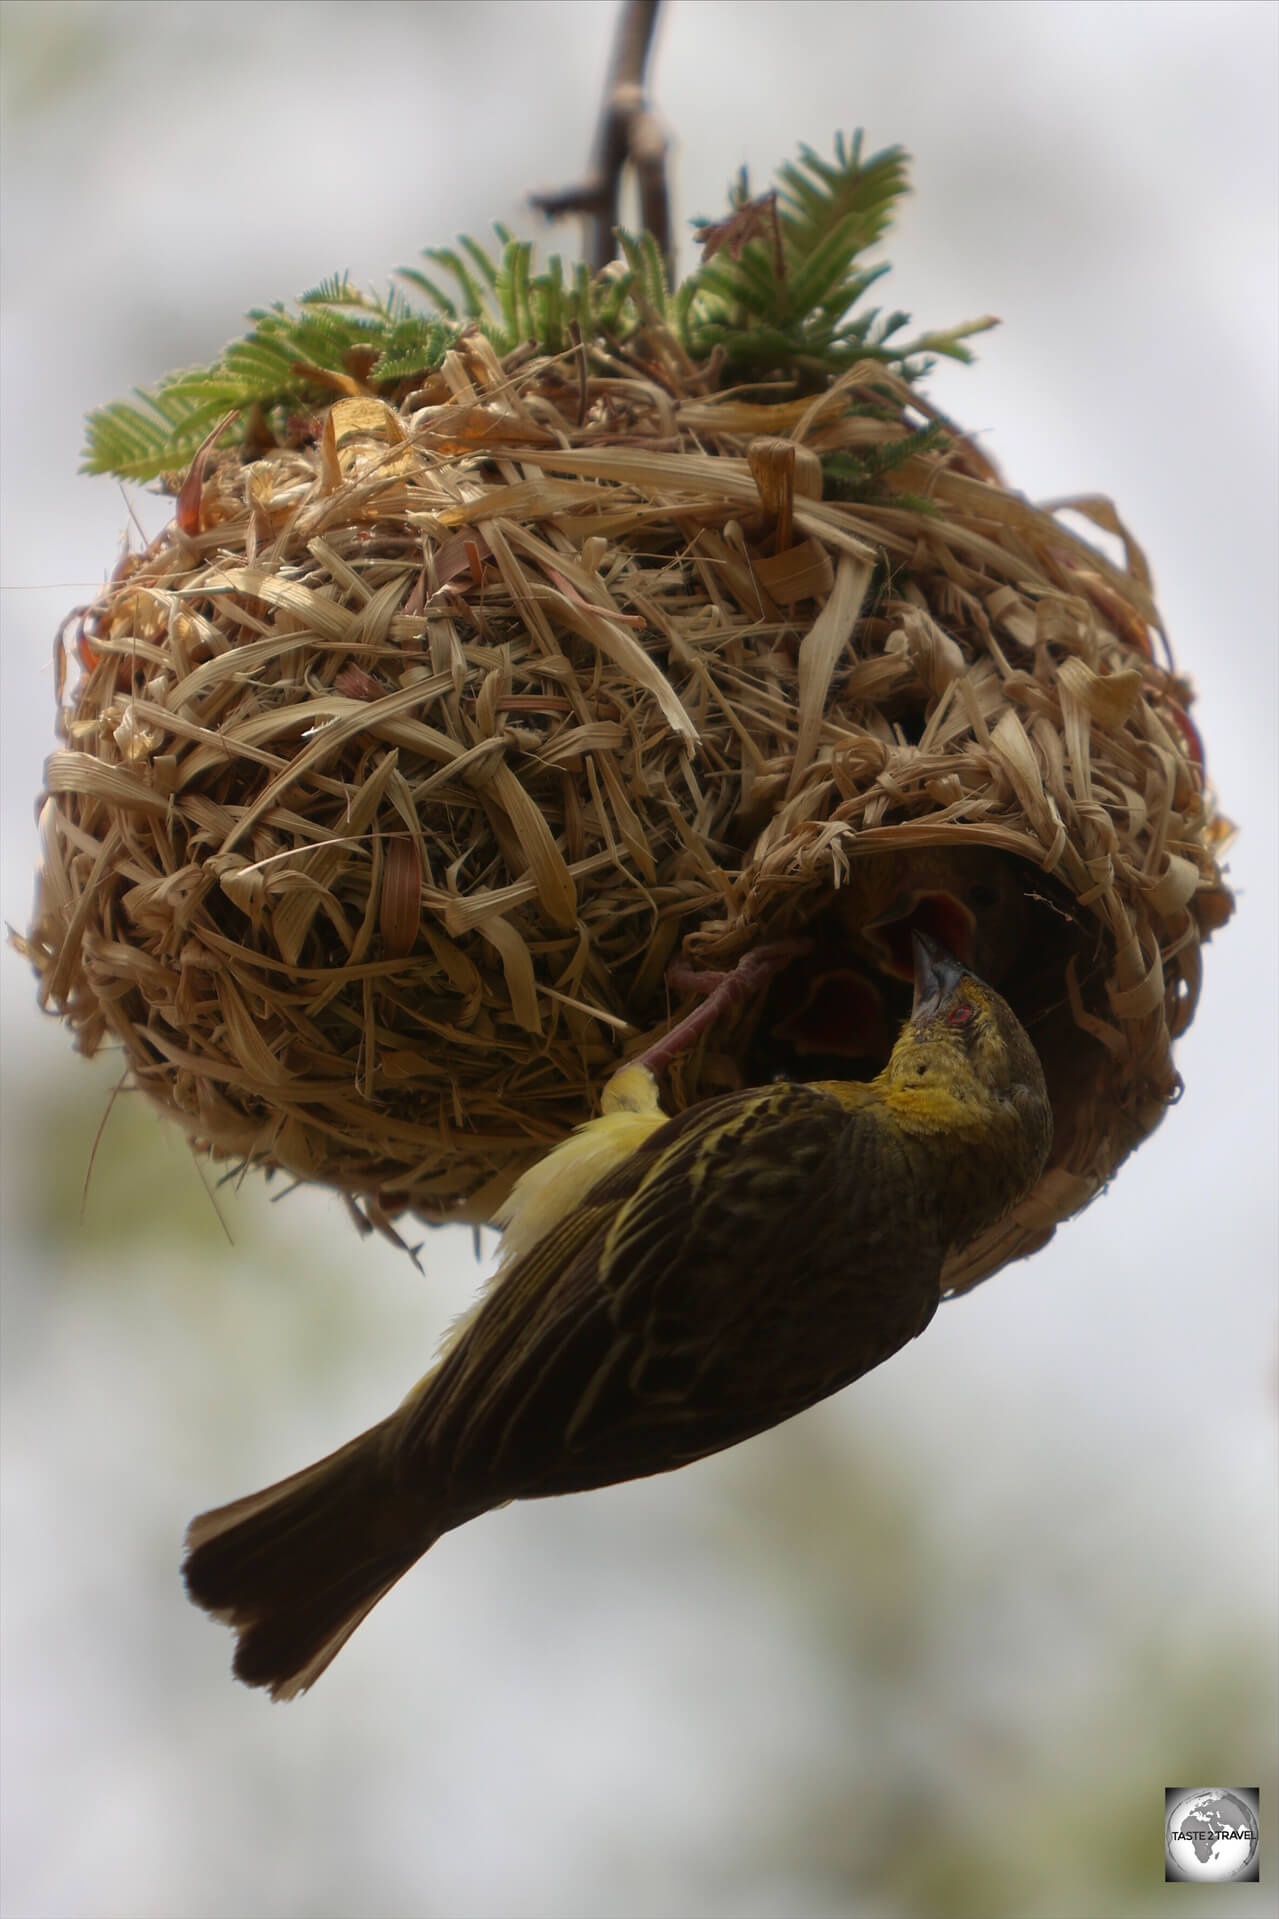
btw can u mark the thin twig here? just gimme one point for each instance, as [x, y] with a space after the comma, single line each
[628, 131]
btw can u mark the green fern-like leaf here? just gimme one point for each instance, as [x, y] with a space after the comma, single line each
[273, 368]
[137, 442]
[765, 323]
[860, 476]
[818, 198]
[802, 325]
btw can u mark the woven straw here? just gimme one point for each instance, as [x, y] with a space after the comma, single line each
[390, 787]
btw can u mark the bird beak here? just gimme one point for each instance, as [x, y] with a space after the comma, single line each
[937, 973]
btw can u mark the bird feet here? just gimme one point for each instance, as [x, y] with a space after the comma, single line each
[722, 990]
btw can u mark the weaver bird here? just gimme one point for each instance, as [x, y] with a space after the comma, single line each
[724, 1270]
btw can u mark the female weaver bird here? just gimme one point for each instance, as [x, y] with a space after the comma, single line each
[705, 1278]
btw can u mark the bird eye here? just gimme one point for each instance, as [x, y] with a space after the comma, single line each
[959, 1015]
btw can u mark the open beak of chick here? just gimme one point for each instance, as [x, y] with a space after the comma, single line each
[939, 915]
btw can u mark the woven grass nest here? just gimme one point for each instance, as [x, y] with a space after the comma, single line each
[400, 766]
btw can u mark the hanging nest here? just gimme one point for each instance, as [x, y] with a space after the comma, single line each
[400, 766]
[594, 627]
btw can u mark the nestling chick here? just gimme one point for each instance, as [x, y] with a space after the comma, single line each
[741, 1262]
[971, 899]
[836, 1010]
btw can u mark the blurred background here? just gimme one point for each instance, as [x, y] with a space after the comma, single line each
[935, 1648]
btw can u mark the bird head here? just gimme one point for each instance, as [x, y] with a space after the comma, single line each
[963, 1052]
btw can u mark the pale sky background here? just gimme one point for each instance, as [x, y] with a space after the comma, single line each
[1022, 1578]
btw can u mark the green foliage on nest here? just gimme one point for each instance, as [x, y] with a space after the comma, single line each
[780, 300]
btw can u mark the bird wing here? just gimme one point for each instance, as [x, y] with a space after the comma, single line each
[562, 1179]
[754, 1254]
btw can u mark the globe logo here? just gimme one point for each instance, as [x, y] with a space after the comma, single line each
[1212, 1834]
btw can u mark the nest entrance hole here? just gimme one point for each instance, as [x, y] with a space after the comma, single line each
[835, 1012]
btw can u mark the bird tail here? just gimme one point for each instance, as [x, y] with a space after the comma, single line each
[295, 1568]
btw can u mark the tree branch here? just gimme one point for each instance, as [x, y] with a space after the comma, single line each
[628, 131]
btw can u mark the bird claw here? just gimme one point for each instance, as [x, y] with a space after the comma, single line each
[722, 991]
